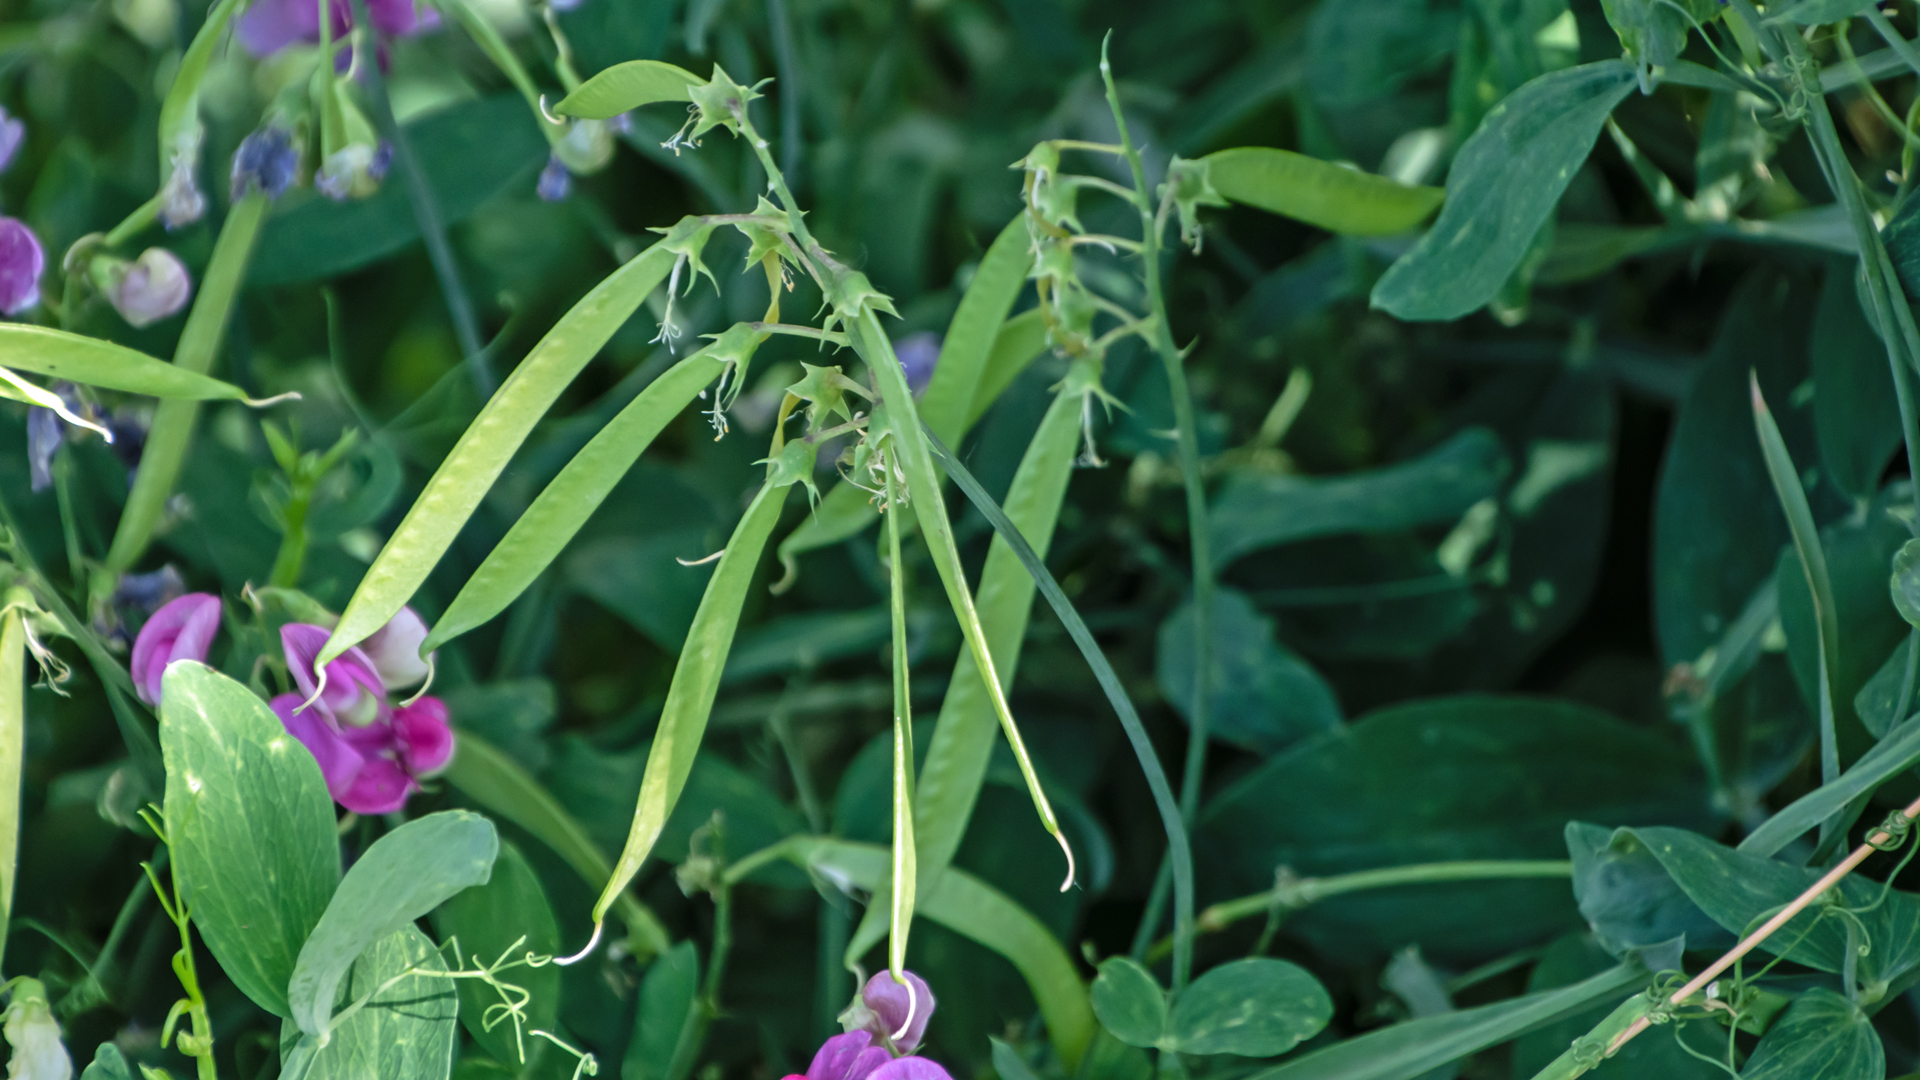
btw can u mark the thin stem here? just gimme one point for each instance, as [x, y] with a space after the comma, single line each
[201, 1049]
[788, 68]
[780, 722]
[1197, 537]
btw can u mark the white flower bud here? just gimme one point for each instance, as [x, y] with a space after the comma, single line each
[395, 650]
[38, 1053]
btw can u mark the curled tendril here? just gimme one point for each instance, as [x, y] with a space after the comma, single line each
[1892, 833]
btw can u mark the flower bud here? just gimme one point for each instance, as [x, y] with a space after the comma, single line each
[180, 200]
[38, 1053]
[556, 182]
[13, 133]
[919, 354]
[899, 1011]
[267, 161]
[181, 630]
[153, 287]
[354, 171]
[21, 262]
[394, 650]
[586, 147]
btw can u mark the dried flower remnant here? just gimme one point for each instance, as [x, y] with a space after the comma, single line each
[555, 182]
[267, 161]
[181, 630]
[180, 200]
[13, 134]
[153, 287]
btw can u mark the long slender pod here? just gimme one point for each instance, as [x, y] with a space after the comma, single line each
[13, 731]
[962, 742]
[903, 881]
[173, 421]
[910, 443]
[484, 449]
[558, 513]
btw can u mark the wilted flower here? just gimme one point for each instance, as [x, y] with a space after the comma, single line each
[182, 630]
[354, 694]
[31, 1030]
[354, 171]
[271, 25]
[555, 181]
[919, 354]
[13, 132]
[180, 200]
[136, 597]
[897, 1015]
[21, 262]
[45, 432]
[373, 769]
[394, 650]
[267, 161]
[152, 287]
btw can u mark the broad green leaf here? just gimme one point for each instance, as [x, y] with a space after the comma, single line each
[1257, 510]
[642, 580]
[470, 152]
[1333, 197]
[402, 876]
[1856, 416]
[250, 826]
[1361, 53]
[58, 354]
[1905, 582]
[1254, 1007]
[1408, 1050]
[1629, 899]
[628, 86]
[484, 449]
[1879, 697]
[490, 922]
[1502, 188]
[1815, 12]
[1469, 777]
[406, 1032]
[1652, 1056]
[1823, 1036]
[1265, 698]
[1738, 888]
[668, 1013]
[1894, 754]
[1655, 32]
[1130, 1003]
[503, 788]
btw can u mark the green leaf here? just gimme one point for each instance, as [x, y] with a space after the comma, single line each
[1905, 582]
[1333, 197]
[108, 1064]
[1655, 31]
[1816, 12]
[1407, 1050]
[1891, 756]
[1823, 1036]
[1254, 1007]
[628, 86]
[1130, 1003]
[1360, 53]
[1469, 777]
[1265, 698]
[1259, 510]
[470, 152]
[668, 1013]
[803, 642]
[1007, 1062]
[402, 876]
[1856, 415]
[504, 919]
[250, 826]
[1629, 899]
[1879, 695]
[406, 1032]
[1502, 189]
[58, 354]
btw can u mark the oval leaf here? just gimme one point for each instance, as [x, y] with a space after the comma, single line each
[1254, 1007]
[1129, 1003]
[250, 826]
[404, 875]
[1906, 581]
[406, 1032]
[628, 86]
[1823, 1036]
[1502, 189]
[1321, 193]
[77, 358]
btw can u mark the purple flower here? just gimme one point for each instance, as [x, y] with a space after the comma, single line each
[852, 1057]
[394, 650]
[896, 1015]
[354, 694]
[267, 161]
[272, 25]
[21, 263]
[181, 630]
[919, 354]
[373, 769]
[555, 181]
[13, 132]
[153, 287]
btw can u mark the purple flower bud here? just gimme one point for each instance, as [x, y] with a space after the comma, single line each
[45, 433]
[394, 650]
[182, 630]
[919, 354]
[898, 1015]
[153, 287]
[354, 694]
[13, 132]
[148, 592]
[180, 200]
[555, 181]
[21, 263]
[267, 161]
[846, 1057]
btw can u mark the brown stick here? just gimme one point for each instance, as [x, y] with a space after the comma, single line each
[1827, 881]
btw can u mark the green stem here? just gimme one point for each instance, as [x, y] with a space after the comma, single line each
[292, 556]
[143, 215]
[202, 1022]
[1171, 360]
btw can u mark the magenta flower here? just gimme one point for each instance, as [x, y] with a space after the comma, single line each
[373, 769]
[895, 1015]
[394, 650]
[272, 25]
[21, 262]
[354, 694]
[181, 630]
[853, 1057]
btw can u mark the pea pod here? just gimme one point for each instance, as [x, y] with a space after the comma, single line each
[537, 538]
[628, 86]
[13, 728]
[962, 744]
[173, 421]
[905, 871]
[1318, 192]
[1021, 340]
[489, 442]
[696, 679]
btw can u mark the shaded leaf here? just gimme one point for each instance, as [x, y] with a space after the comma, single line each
[668, 1009]
[1856, 415]
[1823, 1036]
[490, 922]
[1254, 1007]
[1130, 1003]
[1264, 697]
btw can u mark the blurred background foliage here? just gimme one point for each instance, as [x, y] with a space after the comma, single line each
[1559, 498]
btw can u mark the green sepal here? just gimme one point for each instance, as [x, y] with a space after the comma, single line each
[1192, 185]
